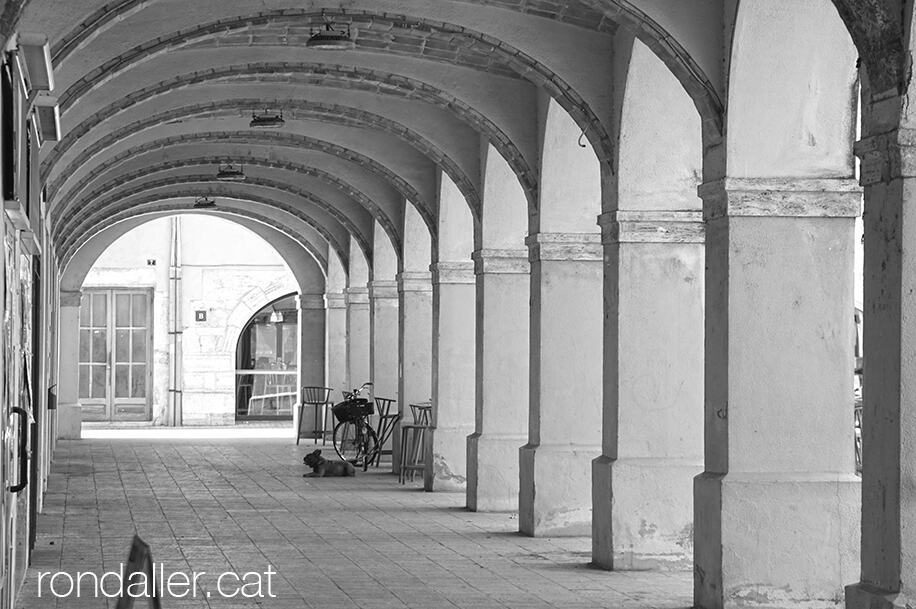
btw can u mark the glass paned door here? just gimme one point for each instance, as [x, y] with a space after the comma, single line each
[115, 355]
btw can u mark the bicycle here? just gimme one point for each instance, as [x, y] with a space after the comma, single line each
[354, 439]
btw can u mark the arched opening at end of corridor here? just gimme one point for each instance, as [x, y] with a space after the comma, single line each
[266, 362]
[189, 319]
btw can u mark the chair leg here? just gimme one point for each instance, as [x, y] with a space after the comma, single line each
[402, 458]
[299, 426]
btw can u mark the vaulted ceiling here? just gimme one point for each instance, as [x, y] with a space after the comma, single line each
[155, 95]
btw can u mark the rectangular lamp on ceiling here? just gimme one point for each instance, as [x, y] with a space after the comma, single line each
[47, 114]
[34, 58]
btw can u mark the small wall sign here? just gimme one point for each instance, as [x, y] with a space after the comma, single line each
[200, 316]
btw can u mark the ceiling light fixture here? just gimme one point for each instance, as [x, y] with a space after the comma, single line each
[34, 57]
[230, 173]
[204, 202]
[48, 115]
[333, 37]
[266, 119]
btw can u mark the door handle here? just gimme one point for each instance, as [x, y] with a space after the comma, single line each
[23, 449]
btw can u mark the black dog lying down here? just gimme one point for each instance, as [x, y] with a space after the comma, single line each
[322, 468]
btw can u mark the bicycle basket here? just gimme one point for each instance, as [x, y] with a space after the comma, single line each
[353, 409]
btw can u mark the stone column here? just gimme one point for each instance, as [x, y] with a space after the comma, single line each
[69, 412]
[776, 510]
[564, 418]
[357, 336]
[652, 441]
[453, 375]
[383, 341]
[501, 396]
[888, 577]
[415, 343]
[312, 318]
[337, 373]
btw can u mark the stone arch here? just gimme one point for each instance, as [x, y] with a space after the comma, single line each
[878, 30]
[322, 75]
[294, 142]
[516, 60]
[117, 205]
[247, 306]
[571, 175]
[86, 202]
[170, 204]
[76, 266]
[291, 141]
[329, 112]
[791, 106]
[598, 15]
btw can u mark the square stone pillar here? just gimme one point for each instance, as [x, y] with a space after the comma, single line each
[501, 396]
[357, 336]
[383, 338]
[337, 374]
[776, 509]
[564, 418]
[453, 379]
[69, 412]
[642, 491]
[415, 345]
[312, 319]
[888, 576]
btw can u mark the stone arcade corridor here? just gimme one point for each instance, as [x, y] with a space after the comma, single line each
[336, 543]
[641, 272]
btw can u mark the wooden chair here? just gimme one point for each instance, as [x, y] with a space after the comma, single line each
[385, 425]
[318, 398]
[414, 438]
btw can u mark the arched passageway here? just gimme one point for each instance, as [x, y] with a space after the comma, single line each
[610, 244]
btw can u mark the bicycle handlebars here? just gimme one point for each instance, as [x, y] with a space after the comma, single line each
[349, 395]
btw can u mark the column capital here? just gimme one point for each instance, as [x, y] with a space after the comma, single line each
[564, 246]
[414, 281]
[781, 197]
[383, 288]
[453, 272]
[501, 262]
[337, 300]
[887, 156]
[357, 295]
[310, 301]
[70, 299]
[652, 226]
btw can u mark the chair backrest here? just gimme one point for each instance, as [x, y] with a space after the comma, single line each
[383, 406]
[316, 395]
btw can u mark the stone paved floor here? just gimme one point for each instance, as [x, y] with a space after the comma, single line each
[335, 543]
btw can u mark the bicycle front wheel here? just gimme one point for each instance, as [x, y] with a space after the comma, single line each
[355, 442]
[348, 441]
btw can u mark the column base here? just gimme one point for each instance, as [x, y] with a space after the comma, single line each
[643, 513]
[863, 596]
[555, 490]
[446, 460]
[492, 484]
[775, 539]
